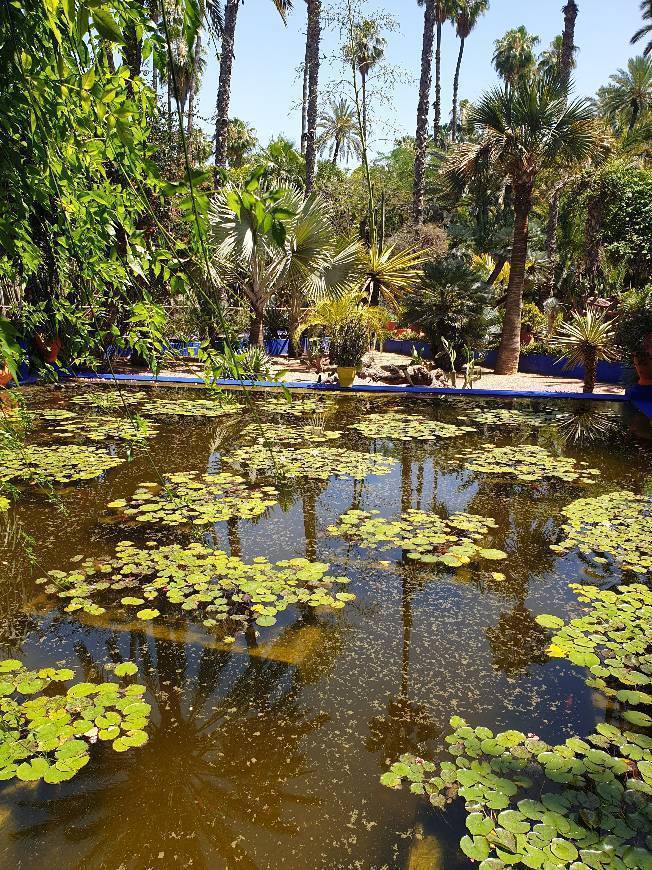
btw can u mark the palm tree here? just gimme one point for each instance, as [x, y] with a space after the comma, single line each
[630, 93]
[550, 60]
[646, 30]
[585, 340]
[338, 131]
[226, 65]
[514, 56]
[444, 11]
[422, 110]
[240, 142]
[570, 11]
[525, 130]
[312, 56]
[365, 49]
[466, 17]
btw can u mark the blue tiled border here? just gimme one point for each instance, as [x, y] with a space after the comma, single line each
[188, 380]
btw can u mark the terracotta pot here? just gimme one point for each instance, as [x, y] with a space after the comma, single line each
[346, 375]
[527, 337]
[5, 376]
[48, 348]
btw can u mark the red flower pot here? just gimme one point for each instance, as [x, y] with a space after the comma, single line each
[48, 348]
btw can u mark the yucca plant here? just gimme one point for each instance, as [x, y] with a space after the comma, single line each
[586, 339]
[386, 276]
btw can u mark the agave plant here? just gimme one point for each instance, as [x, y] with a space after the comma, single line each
[585, 340]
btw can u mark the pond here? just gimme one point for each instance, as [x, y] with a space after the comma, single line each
[268, 737]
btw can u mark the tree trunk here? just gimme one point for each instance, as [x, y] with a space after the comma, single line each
[256, 328]
[592, 237]
[456, 87]
[363, 77]
[509, 349]
[437, 103]
[568, 41]
[132, 51]
[108, 52]
[224, 85]
[551, 238]
[590, 370]
[193, 84]
[336, 150]
[304, 100]
[497, 269]
[420, 147]
[314, 32]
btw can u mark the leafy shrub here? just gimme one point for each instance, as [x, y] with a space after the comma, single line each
[451, 303]
[349, 343]
[634, 322]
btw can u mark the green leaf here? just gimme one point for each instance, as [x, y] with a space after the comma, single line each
[106, 25]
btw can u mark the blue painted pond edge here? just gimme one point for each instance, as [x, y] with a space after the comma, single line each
[182, 380]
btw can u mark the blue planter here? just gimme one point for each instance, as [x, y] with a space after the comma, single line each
[392, 345]
[543, 364]
[277, 346]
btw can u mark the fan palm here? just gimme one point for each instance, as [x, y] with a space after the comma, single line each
[514, 57]
[567, 47]
[525, 130]
[338, 131]
[646, 30]
[467, 16]
[630, 93]
[365, 49]
[585, 340]
[226, 64]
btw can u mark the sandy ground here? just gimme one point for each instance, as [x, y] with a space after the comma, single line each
[299, 372]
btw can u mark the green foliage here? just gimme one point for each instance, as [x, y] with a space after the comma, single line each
[100, 429]
[513, 417]
[64, 464]
[533, 319]
[425, 537]
[189, 497]
[194, 581]
[407, 427]
[46, 734]
[450, 303]
[349, 342]
[634, 323]
[626, 195]
[616, 526]
[528, 464]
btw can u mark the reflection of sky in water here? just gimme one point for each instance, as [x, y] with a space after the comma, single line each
[271, 752]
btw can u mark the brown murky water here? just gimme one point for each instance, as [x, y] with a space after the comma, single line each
[268, 753]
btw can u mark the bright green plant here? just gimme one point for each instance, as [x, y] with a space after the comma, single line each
[407, 427]
[349, 343]
[313, 463]
[585, 340]
[46, 735]
[527, 464]
[634, 324]
[62, 464]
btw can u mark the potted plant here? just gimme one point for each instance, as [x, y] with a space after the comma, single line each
[586, 339]
[634, 332]
[349, 343]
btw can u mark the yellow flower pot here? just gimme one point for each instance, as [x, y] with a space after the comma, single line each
[346, 375]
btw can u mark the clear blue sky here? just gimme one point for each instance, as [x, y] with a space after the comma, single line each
[266, 84]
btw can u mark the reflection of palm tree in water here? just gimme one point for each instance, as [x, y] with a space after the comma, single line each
[223, 757]
[406, 725]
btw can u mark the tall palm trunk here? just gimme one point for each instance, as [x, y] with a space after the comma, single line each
[224, 85]
[193, 82]
[570, 11]
[551, 237]
[256, 327]
[336, 150]
[437, 103]
[509, 349]
[132, 51]
[456, 88]
[363, 79]
[425, 83]
[314, 33]
[304, 98]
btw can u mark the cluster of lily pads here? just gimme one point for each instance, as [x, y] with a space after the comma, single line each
[195, 580]
[528, 463]
[407, 427]
[425, 537]
[600, 818]
[217, 407]
[110, 400]
[616, 526]
[297, 406]
[599, 813]
[200, 499]
[47, 734]
[60, 464]
[513, 416]
[315, 463]
[101, 429]
[279, 433]
[614, 641]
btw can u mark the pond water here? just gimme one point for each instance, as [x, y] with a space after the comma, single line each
[267, 751]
